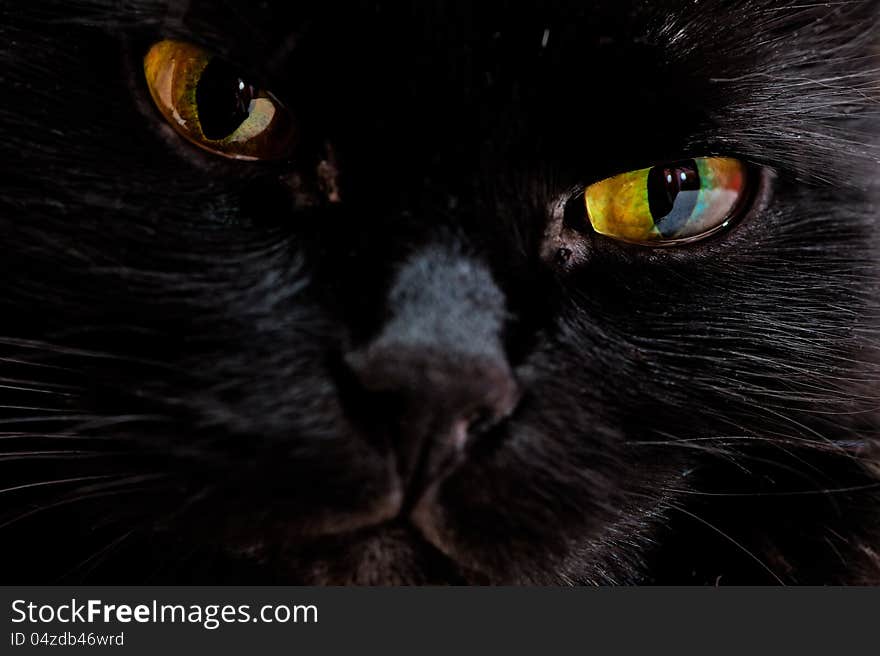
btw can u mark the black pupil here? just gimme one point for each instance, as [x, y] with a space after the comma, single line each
[672, 195]
[223, 99]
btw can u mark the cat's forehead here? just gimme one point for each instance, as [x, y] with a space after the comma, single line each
[277, 20]
[271, 35]
[275, 27]
[455, 62]
[626, 82]
[732, 76]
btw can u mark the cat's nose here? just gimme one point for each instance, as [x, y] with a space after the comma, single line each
[441, 401]
[438, 364]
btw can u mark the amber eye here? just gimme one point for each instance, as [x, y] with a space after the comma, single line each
[213, 106]
[671, 203]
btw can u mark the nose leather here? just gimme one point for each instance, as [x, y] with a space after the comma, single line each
[440, 357]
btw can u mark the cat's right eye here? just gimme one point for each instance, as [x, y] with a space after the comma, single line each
[671, 203]
[211, 105]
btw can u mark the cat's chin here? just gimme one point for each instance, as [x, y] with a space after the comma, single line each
[388, 542]
[394, 553]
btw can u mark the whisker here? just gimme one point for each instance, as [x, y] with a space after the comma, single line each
[63, 454]
[89, 421]
[57, 349]
[121, 486]
[21, 386]
[728, 537]
[829, 491]
[31, 363]
[99, 556]
[59, 481]
[51, 436]
[31, 408]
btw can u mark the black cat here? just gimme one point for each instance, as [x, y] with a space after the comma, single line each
[441, 292]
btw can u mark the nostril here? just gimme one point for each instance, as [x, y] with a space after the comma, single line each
[480, 420]
[486, 417]
[362, 365]
[442, 402]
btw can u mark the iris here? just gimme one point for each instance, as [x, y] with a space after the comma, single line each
[214, 107]
[668, 203]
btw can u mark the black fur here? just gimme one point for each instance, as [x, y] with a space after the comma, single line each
[216, 371]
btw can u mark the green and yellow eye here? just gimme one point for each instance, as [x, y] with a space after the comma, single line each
[211, 105]
[670, 203]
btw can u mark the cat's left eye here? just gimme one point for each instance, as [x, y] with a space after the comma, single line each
[211, 105]
[671, 203]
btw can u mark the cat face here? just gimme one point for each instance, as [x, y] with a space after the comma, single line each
[398, 351]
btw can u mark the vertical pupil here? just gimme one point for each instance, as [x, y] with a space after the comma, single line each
[672, 195]
[223, 100]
